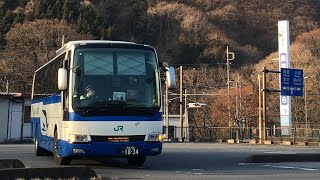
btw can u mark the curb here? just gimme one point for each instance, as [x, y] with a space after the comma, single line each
[24, 141]
[10, 163]
[275, 158]
[44, 173]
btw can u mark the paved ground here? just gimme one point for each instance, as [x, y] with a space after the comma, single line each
[190, 161]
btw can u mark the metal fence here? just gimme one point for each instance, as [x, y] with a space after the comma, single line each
[216, 134]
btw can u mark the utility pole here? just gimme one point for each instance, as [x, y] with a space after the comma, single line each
[305, 106]
[260, 110]
[181, 105]
[238, 106]
[264, 102]
[7, 87]
[230, 57]
[186, 119]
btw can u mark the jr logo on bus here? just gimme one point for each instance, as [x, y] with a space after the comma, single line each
[119, 128]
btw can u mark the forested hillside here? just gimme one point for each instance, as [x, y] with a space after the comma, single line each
[184, 32]
[197, 31]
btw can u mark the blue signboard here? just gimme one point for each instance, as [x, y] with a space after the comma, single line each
[291, 82]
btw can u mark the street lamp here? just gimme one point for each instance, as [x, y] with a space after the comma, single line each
[305, 104]
[191, 105]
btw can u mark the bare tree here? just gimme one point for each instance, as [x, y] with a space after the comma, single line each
[32, 44]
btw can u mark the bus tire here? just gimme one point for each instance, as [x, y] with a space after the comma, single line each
[39, 150]
[137, 160]
[57, 158]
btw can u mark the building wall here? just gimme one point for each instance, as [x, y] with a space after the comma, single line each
[4, 104]
[174, 127]
[27, 124]
[15, 121]
[11, 114]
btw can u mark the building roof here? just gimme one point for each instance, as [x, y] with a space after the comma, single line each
[15, 95]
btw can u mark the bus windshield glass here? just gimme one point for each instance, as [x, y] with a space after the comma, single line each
[105, 77]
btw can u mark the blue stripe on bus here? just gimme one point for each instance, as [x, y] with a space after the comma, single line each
[75, 117]
[108, 149]
[48, 100]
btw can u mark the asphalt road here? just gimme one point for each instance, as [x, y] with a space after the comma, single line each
[189, 161]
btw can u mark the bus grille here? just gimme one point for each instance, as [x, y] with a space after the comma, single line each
[118, 138]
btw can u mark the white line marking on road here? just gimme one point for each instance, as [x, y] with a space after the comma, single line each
[197, 173]
[196, 169]
[242, 164]
[178, 171]
[279, 152]
[291, 167]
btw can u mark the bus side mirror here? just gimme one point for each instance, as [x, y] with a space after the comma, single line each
[62, 79]
[170, 77]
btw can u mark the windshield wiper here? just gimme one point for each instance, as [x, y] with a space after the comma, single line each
[139, 109]
[116, 105]
[91, 108]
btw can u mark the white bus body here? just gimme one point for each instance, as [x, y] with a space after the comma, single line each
[121, 118]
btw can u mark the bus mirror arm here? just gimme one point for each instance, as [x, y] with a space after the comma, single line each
[163, 64]
[65, 63]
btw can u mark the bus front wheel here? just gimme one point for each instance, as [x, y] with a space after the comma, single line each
[57, 158]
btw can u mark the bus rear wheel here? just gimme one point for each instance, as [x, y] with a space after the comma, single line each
[136, 160]
[39, 150]
[57, 158]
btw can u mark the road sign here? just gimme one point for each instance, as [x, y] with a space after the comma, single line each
[291, 82]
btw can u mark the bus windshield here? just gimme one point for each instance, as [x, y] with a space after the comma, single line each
[106, 77]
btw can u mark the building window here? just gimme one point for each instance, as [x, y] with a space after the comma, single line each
[27, 114]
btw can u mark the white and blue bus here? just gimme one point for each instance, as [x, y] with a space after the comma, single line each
[99, 99]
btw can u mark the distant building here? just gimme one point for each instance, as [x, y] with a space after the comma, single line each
[174, 128]
[15, 109]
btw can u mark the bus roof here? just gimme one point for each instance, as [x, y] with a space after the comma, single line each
[71, 43]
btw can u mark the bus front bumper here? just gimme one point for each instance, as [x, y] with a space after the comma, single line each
[107, 149]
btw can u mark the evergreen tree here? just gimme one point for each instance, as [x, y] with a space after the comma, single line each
[3, 10]
[7, 21]
[19, 18]
[57, 9]
[50, 13]
[71, 11]
[10, 4]
[137, 13]
[108, 33]
[39, 9]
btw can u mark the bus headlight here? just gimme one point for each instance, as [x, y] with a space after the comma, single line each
[77, 138]
[154, 137]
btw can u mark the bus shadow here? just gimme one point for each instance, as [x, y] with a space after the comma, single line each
[105, 163]
[169, 161]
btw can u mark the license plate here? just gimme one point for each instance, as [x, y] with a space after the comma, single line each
[130, 151]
